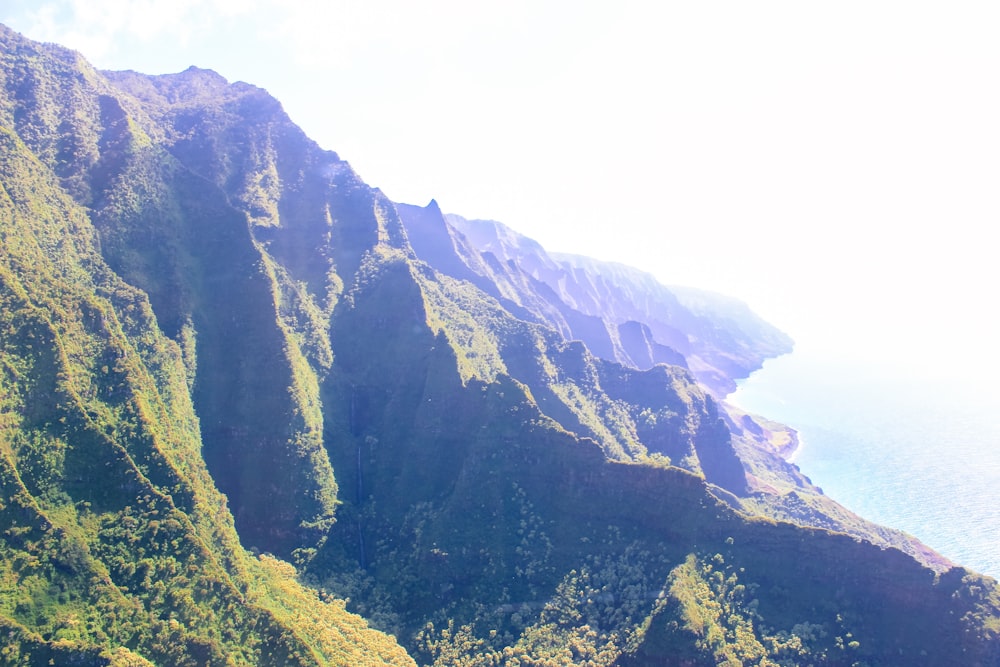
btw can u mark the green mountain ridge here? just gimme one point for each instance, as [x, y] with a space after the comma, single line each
[222, 352]
[720, 339]
[703, 324]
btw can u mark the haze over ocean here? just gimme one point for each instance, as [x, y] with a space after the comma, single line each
[915, 455]
[834, 165]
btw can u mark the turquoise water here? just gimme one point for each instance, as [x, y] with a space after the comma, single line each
[916, 454]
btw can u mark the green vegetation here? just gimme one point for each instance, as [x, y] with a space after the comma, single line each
[203, 317]
[116, 548]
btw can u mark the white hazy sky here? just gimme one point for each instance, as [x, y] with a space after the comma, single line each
[833, 164]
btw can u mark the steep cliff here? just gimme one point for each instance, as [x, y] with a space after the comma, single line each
[592, 302]
[216, 339]
[116, 546]
[621, 313]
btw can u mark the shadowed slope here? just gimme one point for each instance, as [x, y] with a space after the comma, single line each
[235, 301]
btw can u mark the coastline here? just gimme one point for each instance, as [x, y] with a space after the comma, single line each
[776, 437]
[794, 451]
[893, 449]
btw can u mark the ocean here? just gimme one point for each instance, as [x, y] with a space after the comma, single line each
[906, 451]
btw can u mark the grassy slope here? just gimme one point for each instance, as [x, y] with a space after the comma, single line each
[115, 541]
[471, 449]
[634, 415]
[476, 513]
[463, 501]
[169, 231]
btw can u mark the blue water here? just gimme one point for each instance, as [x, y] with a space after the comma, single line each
[913, 453]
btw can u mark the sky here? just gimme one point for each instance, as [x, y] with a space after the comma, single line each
[834, 165]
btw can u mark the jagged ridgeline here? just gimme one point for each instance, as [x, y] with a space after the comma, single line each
[116, 546]
[217, 341]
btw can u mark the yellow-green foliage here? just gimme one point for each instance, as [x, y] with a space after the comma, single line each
[479, 508]
[262, 191]
[714, 608]
[593, 615]
[465, 315]
[721, 613]
[604, 420]
[480, 332]
[302, 319]
[112, 533]
[298, 313]
[335, 636]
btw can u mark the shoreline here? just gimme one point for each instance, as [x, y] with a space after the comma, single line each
[798, 443]
[781, 439]
[889, 449]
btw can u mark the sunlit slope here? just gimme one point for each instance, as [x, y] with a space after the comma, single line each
[198, 299]
[480, 528]
[114, 533]
[632, 413]
[621, 313]
[116, 544]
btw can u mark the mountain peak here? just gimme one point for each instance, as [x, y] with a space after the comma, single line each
[215, 338]
[194, 87]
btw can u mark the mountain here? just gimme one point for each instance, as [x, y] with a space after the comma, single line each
[248, 417]
[614, 310]
[620, 313]
[117, 546]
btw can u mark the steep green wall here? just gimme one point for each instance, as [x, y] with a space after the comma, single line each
[474, 512]
[203, 316]
[115, 542]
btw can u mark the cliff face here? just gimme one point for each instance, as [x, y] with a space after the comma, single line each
[117, 546]
[614, 310]
[621, 313]
[215, 337]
